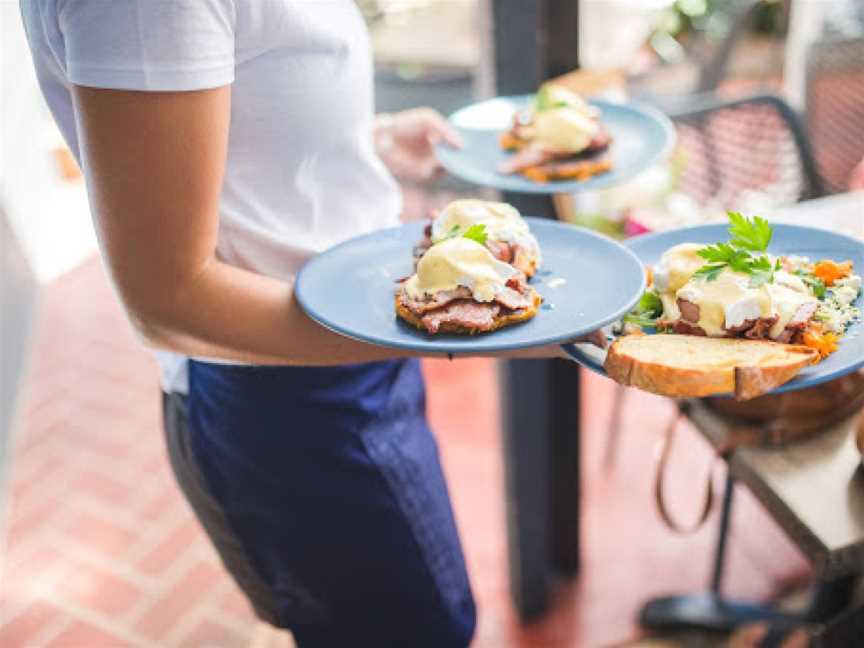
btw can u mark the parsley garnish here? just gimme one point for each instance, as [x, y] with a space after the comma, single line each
[543, 101]
[748, 236]
[762, 271]
[754, 235]
[476, 233]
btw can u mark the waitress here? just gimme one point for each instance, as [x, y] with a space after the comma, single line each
[224, 143]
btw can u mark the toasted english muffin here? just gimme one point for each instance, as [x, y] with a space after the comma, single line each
[499, 321]
[694, 366]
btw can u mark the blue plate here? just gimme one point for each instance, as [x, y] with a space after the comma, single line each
[641, 136]
[350, 290]
[787, 240]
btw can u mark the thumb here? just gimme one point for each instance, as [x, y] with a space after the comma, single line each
[439, 129]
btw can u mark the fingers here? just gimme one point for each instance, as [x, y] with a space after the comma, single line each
[597, 338]
[856, 179]
[438, 129]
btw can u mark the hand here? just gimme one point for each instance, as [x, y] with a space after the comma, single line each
[405, 142]
[597, 338]
[856, 179]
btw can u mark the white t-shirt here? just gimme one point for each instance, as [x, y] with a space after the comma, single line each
[301, 173]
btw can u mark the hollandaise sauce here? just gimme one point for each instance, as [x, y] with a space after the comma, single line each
[726, 302]
[459, 262]
[502, 221]
[676, 267]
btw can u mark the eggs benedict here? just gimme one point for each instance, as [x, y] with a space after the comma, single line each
[460, 287]
[559, 137]
[508, 236]
[728, 304]
[737, 289]
[749, 321]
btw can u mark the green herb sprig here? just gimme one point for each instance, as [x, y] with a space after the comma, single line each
[475, 233]
[543, 100]
[748, 237]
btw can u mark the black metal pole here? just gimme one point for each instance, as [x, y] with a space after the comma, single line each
[722, 535]
[533, 41]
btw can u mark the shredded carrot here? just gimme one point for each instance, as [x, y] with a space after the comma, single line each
[831, 271]
[578, 170]
[510, 142]
[536, 173]
[815, 338]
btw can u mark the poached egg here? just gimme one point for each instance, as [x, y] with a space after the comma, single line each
[503, 223]
[729, 300]
[567, 123]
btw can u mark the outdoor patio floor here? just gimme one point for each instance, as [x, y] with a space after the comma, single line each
[99, 549]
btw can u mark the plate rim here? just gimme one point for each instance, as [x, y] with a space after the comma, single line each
[574, 186]
[793, 385]
[428, 345]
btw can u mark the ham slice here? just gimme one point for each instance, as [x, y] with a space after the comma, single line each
[478, 316]
[533, 155]
[530, 156]
[683, 328]
[689, 310]
[513, 299]
[431, 302]
[761, 328]
[798, 322]
[500, 250]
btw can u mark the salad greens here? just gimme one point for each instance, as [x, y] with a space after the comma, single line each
[813, 282]
[647, 311]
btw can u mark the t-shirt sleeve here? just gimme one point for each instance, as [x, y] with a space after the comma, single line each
[157, 45]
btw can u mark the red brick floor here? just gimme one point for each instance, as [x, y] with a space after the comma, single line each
[99, 550]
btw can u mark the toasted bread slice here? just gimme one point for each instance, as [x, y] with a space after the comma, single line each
[500, 321]
[692, 366]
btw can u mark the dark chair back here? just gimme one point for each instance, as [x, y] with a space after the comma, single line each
[835, 108]
[734, 151]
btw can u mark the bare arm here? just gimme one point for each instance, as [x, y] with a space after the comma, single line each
[154, 164]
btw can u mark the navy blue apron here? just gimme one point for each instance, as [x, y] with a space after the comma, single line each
[329, 483]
